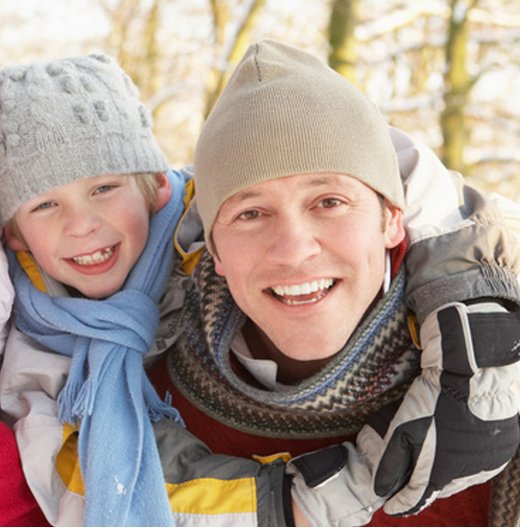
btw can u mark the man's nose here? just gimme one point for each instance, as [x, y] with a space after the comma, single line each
[292, 242]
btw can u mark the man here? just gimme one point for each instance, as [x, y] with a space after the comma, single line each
[296, 335]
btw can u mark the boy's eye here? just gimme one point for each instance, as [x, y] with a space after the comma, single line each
[104, 188]
[43, 206]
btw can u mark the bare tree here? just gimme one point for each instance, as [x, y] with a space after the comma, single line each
[426, 63]
[232, 48]
[342, 39]
[133, 40]
[458, 84]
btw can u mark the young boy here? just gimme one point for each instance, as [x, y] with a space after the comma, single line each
[82, 174]
[93, 280]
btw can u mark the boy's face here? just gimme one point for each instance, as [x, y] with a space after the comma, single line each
[304, 258]
[87, 234]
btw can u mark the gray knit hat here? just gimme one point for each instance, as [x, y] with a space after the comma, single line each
[68, 119]
[285, 112]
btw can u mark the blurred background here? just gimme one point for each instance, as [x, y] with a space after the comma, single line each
[445, 71]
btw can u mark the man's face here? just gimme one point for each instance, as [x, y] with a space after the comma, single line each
[304, 257]
[87, 234]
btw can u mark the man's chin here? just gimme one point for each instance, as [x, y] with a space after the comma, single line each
[313, 348]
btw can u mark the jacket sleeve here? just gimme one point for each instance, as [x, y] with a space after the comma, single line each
[207, 489]
[30, 380]
[462, 283]
[461, 247]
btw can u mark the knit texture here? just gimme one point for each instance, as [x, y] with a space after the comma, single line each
[68, 119]
[285, 112]
[505, 495]
[374, 368]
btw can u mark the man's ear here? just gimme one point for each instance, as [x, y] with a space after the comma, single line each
[218, 266]
[210, 246]
[219, 269]
[14, 238]
[394, 228]
[164, 191]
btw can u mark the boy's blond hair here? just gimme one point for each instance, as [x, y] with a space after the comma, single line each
[148, 185]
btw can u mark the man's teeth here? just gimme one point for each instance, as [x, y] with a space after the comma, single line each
[303, 289]
[95, 258]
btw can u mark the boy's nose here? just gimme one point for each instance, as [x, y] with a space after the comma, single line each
[80, 222]
[292, 243]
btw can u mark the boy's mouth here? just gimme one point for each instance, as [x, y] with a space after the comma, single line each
[98, 257]
[304, 293]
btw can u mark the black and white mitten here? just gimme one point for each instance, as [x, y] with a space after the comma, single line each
[458, 423]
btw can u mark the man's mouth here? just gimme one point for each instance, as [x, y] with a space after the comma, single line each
[304, 293]
[99, 256]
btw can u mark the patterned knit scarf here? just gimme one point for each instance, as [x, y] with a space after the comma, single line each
[374, 368]
[107, 390]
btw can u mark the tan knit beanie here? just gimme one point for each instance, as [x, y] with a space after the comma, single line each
[285, 112]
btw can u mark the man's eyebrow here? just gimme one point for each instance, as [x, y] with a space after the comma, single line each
[321, 180]
[315, 181]
[324, 179]
[240, 196]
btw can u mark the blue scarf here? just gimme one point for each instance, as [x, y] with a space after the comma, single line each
[107, 391]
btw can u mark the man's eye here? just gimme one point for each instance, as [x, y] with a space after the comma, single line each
[329, 203]
[249, 215]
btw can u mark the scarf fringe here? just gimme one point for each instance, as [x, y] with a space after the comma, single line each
[69, 407]
[157, 409]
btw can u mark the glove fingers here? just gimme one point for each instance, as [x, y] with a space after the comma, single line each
[449, 462]
[402, 452]
[418, 491]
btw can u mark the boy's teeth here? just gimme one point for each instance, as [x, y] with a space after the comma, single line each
[95, 258]
[303, 289]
